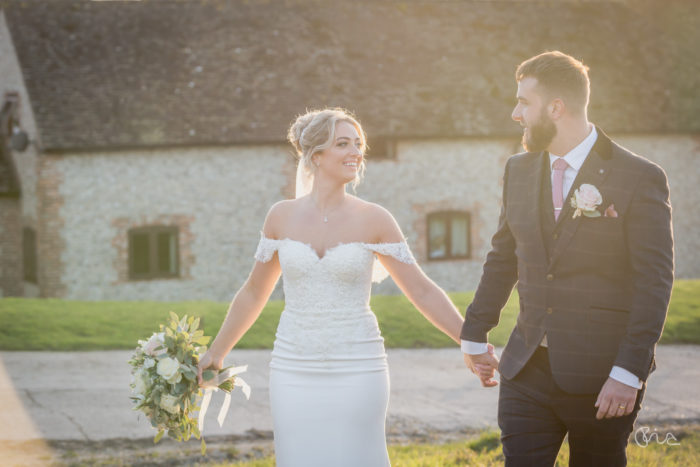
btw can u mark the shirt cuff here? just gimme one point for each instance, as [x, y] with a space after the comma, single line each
[474, 348]
[620, 374]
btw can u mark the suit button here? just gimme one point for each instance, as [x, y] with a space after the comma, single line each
[549, 311]
[555, 236]
[550, 277]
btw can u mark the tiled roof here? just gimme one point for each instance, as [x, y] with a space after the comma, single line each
[110, 74]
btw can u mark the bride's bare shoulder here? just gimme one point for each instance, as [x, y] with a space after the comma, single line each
[277, 216]
[384, 227]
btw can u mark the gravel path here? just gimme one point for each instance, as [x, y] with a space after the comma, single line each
[84, 396]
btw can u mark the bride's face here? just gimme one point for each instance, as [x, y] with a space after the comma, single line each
[342, 160]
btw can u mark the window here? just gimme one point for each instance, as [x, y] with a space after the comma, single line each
[153, 253]
[29, 255]
[381, 148]
[449, 235]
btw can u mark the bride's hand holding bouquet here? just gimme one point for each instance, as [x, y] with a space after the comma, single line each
[169, 382]
[206, 363]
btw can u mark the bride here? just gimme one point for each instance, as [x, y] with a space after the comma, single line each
[329, 380]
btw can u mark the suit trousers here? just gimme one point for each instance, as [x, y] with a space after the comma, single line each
[535, 415]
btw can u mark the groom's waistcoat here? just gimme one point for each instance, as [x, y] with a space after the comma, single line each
[546, 217]
[598, 287]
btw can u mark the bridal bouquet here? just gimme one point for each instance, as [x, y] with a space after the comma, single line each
[164, 380]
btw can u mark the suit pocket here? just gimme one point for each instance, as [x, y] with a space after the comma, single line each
[602, 227]
[601, 241]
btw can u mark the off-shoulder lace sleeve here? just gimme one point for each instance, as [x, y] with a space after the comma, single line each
[398, 250]
[266, 248]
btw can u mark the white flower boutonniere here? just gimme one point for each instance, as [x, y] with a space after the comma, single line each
[586, 201]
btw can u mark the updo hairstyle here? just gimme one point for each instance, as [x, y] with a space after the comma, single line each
[314, 132]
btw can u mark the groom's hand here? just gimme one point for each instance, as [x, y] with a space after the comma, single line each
[484, 366]
[616, 399]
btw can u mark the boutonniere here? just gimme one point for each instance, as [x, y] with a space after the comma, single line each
[586, 201]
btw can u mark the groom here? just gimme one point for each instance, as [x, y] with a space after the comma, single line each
[585, 231]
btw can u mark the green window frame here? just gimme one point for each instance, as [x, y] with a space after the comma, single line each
[154, 253]
[449, 235]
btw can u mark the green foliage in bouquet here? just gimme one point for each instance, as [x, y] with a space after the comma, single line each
[164, 378]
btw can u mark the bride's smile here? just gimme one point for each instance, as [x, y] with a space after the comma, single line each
[343, 160]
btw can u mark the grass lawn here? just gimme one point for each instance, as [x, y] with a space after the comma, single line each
[486, 451]
[51, 324]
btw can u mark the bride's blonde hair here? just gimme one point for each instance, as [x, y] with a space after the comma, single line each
[314, 131]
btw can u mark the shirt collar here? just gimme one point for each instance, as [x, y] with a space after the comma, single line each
[577, 155]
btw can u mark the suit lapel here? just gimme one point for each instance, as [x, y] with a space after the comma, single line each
[594, 171]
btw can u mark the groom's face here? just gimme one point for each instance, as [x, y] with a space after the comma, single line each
[531, 113]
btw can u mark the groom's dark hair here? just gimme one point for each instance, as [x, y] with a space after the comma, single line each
[559, 75]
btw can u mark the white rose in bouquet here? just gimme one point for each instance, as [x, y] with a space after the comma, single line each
[167, 368]
[154, 344]
[175, 379]
[170, 403]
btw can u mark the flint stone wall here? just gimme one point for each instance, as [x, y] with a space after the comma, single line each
[219, 197]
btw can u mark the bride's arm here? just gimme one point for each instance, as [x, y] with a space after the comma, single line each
[244, 309]
[425, 295]
[242, 312]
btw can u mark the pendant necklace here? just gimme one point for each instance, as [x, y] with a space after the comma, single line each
[325, 216]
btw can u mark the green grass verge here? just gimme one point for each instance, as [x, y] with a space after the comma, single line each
[51, 324]
[486, 451]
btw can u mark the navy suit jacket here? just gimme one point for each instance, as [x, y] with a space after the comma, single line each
[599, 289]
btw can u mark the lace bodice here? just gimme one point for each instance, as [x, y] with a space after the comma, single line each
[327, 298]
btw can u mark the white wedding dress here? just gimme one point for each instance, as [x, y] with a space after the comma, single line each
[329, 380]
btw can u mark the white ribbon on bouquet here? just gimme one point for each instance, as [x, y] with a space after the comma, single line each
[210, 386]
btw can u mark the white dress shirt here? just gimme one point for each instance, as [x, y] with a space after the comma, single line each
[575, 158]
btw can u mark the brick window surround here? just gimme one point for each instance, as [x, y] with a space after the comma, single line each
[448, 235]
[153, 253]
[183, 244]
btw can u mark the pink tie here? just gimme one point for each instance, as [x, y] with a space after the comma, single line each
[558, 169]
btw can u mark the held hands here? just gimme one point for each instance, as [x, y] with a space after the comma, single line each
[616, 399]
[484, 366]
[208, 360]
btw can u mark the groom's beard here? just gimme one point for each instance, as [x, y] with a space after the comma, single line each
[539, 135]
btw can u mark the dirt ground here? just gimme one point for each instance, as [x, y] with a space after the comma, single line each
[143, 453]
[220, 449]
